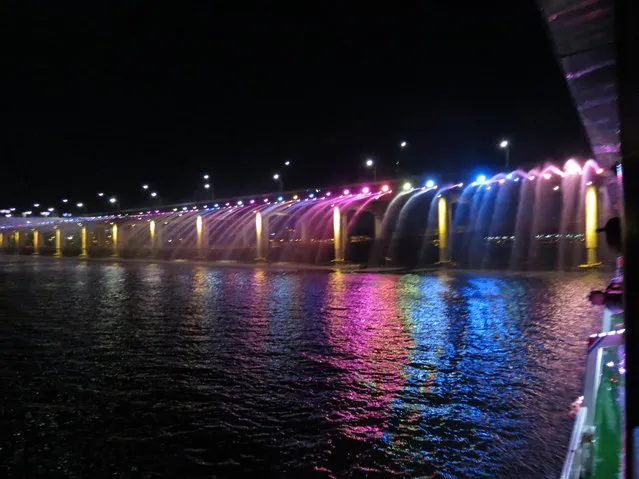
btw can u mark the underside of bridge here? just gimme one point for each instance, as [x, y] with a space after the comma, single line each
[583, 35]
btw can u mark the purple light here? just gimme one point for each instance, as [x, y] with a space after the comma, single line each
[252, 201]
[328, 193]
[347, 192]
[366, 190]
[547, 176]
[265, 200]
[501, 182]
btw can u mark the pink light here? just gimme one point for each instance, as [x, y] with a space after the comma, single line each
[531, 177]
[347, 192]
[228, 204]
[501, 181]
[600, 171]
[547, 176]
[385, 188]
[328, 193]
[366, 190]
[265, 200]
[252, 201]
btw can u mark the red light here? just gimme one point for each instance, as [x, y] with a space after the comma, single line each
[385, 188]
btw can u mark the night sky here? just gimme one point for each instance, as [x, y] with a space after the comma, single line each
[104, 99]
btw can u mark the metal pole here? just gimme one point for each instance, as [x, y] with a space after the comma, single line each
[508, 156]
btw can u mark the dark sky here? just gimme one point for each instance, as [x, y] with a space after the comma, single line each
[106, 98]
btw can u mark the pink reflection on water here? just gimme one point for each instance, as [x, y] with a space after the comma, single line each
[370, 348]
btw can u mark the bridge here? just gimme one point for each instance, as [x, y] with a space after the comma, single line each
[512, 219]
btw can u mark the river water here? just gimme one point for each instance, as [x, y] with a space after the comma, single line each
[182, 370]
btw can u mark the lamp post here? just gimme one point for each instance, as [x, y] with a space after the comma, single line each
[371, 164]
[278, 178]
[505, 145]
[208, 184]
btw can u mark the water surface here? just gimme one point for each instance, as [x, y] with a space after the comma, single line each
[156, 370]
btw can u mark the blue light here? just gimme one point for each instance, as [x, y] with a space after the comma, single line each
[216, 205]
[430, 184]
[516, 179]
[312, 195]
[481, 179]
[280, 198]
[509, 176]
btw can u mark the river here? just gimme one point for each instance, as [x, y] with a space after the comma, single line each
[161, 370]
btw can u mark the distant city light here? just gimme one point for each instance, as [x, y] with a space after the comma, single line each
[240, 203]
[207, 186]
[100, 195]
[252, 201]
[79, 205]
[328, 193]
[547, 176]
[556, 188]
[366, 190]
[509, 176]
[407, 186]
[112, 200]
[503, 144]
[403, 144]
[145, 187]
[153, 194]
[311, 195]
[531, 177]
[287, 163]
[481, 179]
[64, 200]
[516, 179]
[280, 198]
[369, 162]
[430, 184]
[265, 200]
[501, 181]
[50, 209]
[600, 171]
[385, 188]
[205, 176]
[36, 205]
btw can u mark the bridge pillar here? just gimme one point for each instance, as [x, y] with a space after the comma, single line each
[340, 234]
[201, 244]
[152, 237]
[36, 242]
[591, 220]
[83, 242]
[115, 239]
[443, 220]
[304, 233]
[379, 219]
[261, 236]
[58, 241]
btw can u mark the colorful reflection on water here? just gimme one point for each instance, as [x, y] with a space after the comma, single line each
[131, 369]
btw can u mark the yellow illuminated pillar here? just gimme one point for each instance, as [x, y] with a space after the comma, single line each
[83, 241]
[114, 238]
[36, 242]
[442, 229]
[199, 228]
[591, 227]
[339, 234]
[58, 242]
[152, 235]
[1, 240]
[259, 236]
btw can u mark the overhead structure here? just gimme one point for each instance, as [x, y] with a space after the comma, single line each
[583, 35]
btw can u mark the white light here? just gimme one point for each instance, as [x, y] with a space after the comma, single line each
[64, 200]
[112, 200]
[276, 176]
[36, 205]
[403, 144]
[369, 162]
[206, 177]
[503, 144]
[145, 187]
[100, 195]
[12, 209]
[430, 184]
[50, 209]
[207, 186]
[154, 194]
[556, 188]
[287, 163]
[79, 205]
[481, 179]
[8, 215]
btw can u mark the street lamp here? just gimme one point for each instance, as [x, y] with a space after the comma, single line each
[205, 176]
[65, 200]
[403, 145]
[505, 145]
[80, 205]
[36, 205]
[278, 178]
[287, 163]
[100, 195]
[371, 164]
[154, 194]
